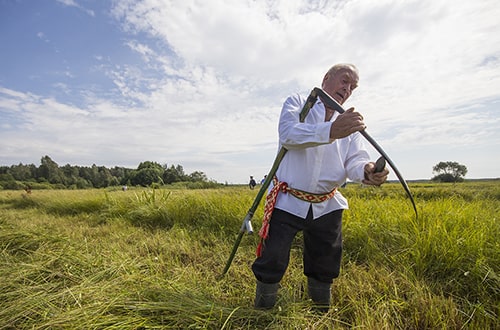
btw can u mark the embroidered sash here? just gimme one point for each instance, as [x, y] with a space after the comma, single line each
[271, 202]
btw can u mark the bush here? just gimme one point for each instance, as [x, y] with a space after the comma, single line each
[13, 185]
[447, 177]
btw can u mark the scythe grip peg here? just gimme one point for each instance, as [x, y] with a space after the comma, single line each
[247, 223]
[380, 164]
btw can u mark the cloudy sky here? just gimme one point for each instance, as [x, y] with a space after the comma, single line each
[201, 83]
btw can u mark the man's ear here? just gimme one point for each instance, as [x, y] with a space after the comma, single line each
[325, 78]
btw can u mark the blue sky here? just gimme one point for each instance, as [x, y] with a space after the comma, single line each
[201, 83]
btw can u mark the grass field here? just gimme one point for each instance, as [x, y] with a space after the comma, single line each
[151, 259]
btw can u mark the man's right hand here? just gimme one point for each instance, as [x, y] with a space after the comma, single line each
[346, 123]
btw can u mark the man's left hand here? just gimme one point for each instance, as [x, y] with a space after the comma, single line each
[372, 178]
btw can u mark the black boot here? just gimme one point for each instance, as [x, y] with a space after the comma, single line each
[319, 292]
[265, 295]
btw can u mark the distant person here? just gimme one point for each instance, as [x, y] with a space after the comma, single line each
[252, 183]
[27, 189]
[323, 151]
[263, 179]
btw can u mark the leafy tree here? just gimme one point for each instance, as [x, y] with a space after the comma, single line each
[50, 170]
[7, 177]
[149, 164]
[146, 177]
[449, 172]
[71, 174]
[88, 174]
[81, 183]
[121, 175]
[147, 174]
[173, 174]
[22, 172]
[104, 177]
[198, 176]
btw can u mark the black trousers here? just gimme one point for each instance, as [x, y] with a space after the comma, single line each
[322, 246]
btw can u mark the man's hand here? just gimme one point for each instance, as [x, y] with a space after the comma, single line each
[374, 178]
[346, 124]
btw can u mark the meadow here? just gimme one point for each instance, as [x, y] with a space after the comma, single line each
[152, 259]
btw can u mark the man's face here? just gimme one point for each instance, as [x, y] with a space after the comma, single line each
[340, 84]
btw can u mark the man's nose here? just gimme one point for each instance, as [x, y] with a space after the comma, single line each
[348, 88]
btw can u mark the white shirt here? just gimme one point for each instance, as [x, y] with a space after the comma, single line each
[313, 162]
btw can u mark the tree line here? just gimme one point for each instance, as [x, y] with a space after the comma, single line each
[50, 175]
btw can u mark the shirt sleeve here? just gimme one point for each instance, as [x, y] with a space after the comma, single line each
[356, 159]
[296, 135]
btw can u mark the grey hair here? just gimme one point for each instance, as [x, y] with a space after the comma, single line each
[343, 66]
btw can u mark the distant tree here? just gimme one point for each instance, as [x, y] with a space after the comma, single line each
[81, 183]
[174, 174]
[104, 177]
[93, 175]
[7, 177]
[129, 177]
[146, 177]
[88, 174]
[149, 164]
[23, 172]
[49, 170]
[71, 174]
[449, 172]
[198, 176]
[121, 174]
[147, 174]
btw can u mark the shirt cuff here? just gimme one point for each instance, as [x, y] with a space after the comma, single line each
[323, 132]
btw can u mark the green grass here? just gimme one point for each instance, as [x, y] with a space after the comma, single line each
[151, 259]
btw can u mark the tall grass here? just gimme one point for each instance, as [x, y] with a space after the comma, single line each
[140, 259]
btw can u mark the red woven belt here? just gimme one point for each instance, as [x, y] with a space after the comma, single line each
[271, 202]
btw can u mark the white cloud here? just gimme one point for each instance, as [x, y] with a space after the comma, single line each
[214, 74]
[73, 3]
[415, 57]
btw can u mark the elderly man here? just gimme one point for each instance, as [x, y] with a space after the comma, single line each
[323, 151]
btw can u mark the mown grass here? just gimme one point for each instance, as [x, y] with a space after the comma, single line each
[151, 259]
